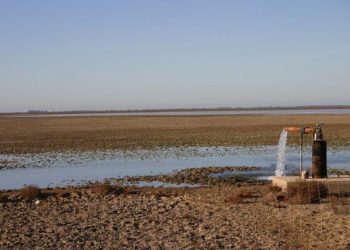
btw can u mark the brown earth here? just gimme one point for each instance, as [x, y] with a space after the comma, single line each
[33, 135]
[244, 216]
[155, 218]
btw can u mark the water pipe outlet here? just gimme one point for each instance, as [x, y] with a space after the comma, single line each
[319, 149]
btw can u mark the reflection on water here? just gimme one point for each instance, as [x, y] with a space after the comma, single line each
[58, 169]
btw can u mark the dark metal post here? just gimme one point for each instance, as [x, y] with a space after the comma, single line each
[319, 159]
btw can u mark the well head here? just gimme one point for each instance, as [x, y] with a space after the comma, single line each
[319, 149]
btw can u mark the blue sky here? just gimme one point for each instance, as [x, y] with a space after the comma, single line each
[68, 55]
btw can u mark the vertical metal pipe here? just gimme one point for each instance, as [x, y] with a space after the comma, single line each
[319, 159]
[301, 154]
[301, 168]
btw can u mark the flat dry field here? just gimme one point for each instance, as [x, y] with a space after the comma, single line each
[45, 134]
[151, 218]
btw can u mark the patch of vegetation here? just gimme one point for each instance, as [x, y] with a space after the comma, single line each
[30, 193]
[4, 198]
[107, 188]
[306, 193]
[340, 204]
[240, 196]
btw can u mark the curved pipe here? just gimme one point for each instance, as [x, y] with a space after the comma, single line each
[298, 130]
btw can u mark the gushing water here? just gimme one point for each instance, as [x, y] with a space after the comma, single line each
[281, 154]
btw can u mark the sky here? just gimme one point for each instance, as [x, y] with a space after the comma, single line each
[101, 55]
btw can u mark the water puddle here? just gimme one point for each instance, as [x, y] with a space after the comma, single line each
[61, 169]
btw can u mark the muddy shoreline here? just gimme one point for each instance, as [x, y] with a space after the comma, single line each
[202, 176]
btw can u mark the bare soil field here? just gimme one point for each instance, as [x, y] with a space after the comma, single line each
[225, 217]
[46, 134]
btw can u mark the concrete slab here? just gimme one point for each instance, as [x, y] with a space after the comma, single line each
[333, 184]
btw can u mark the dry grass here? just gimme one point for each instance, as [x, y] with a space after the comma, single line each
[306, 193]
[30, 193]
[106, 188]
[32, 135]
[275, 188]
[240, 196]
[340, 204]
[273, 196]
[4, 198]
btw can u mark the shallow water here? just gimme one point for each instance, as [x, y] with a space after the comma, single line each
[58, 169]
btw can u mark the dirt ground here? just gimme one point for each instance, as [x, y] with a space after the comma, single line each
[160, 218]
[33, 135]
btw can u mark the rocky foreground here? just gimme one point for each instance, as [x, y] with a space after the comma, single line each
[225, 217]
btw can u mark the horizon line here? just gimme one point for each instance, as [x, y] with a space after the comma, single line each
[303, 107]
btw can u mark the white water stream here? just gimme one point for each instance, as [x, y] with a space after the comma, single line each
[281, 154]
